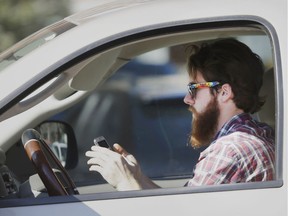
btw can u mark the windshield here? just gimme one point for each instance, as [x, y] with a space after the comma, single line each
[32, 42]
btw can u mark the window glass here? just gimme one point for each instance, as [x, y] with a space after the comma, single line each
[141, 107]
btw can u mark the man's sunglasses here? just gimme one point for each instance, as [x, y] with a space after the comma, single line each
[192, 87]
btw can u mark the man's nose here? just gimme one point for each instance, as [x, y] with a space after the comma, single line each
[188, 99]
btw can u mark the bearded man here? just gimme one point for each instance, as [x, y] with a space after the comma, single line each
[223, 90]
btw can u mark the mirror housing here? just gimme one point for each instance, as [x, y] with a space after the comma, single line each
[61, 139]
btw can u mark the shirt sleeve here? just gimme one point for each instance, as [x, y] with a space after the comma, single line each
[216, 165]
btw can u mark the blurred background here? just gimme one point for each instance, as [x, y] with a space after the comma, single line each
[19, 18]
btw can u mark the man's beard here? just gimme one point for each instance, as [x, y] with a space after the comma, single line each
[204, 124]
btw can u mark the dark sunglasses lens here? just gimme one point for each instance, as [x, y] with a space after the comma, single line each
[192, 92]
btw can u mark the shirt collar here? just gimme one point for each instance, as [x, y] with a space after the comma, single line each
[229, 126]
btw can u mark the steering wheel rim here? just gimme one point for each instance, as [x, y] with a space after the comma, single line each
[34, 145]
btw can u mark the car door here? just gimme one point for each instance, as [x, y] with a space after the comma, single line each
[124, 103]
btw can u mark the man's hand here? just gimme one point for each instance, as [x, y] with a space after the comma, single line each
[118, 167]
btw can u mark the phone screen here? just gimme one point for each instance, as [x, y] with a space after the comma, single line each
[101, 141]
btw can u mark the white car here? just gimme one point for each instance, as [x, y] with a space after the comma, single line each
[118, 70]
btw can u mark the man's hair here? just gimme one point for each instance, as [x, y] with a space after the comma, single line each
[230, 61]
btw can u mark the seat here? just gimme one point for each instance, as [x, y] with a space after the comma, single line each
[267, 113]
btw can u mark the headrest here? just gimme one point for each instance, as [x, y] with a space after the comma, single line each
[267, 112]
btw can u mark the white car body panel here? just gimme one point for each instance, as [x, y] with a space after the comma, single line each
[143, 15]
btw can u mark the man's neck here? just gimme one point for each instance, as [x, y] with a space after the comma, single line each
[226, 116]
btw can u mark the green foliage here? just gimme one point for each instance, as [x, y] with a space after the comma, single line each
[20, 18]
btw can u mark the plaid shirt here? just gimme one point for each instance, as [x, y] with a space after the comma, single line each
[242, 151]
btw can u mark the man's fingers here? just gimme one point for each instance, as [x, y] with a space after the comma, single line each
[97, 161]
[118, 148]
[126, 155]
[96, 168]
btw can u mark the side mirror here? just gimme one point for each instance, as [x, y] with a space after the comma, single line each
[61, 139]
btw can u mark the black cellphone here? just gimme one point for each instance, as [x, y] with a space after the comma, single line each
[101, 141]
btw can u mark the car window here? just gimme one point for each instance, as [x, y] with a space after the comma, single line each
[141, 107]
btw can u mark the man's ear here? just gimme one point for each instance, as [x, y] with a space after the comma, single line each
[226, 93]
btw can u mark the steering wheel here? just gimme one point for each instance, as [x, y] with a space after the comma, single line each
[36, 148]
